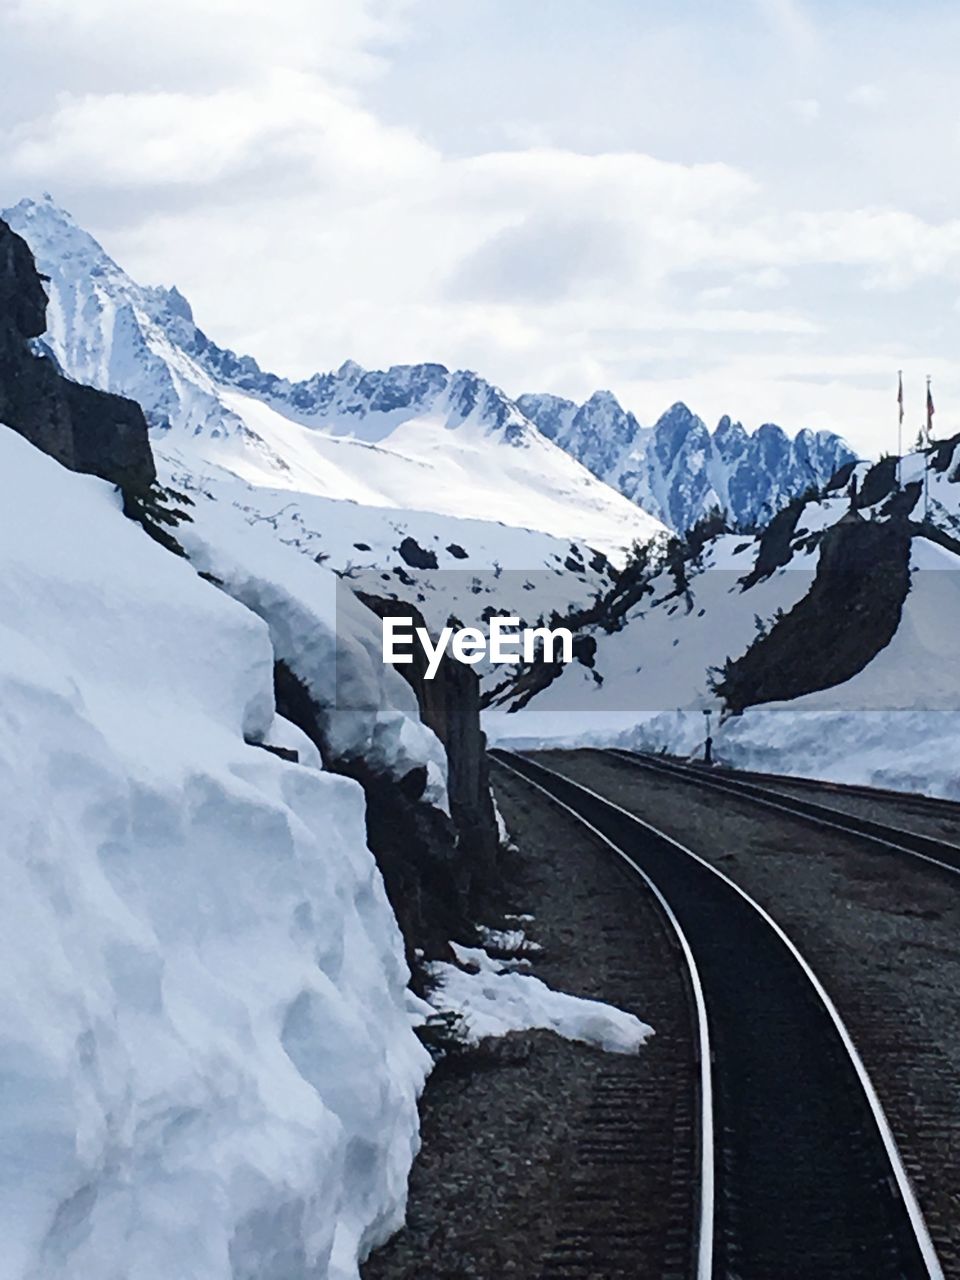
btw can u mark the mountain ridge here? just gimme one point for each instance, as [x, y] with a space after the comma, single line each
[144, 342]
[411, 437]
[678, 469]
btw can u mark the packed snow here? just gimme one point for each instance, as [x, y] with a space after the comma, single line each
[492, 999]
[328, 638]
[206, 1052]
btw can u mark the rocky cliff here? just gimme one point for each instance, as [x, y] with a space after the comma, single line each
[84, 429]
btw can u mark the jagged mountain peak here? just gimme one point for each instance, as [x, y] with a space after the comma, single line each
[603, 399]
[678, 412]
[678, 468]
[48, 221]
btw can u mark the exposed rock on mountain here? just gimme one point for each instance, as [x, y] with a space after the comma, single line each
[437, 884]
[84, 429]
[850, 613]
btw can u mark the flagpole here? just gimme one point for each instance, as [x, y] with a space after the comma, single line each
[926, 459]
[900, 429]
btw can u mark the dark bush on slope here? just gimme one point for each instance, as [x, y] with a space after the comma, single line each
[879, 482]
[775, 550]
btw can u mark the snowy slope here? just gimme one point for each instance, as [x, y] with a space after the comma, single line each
[894, 723]
[478, 563]
[208, 1066]
[678, 469]
[326, 636]
[417, 437]
[662, 659]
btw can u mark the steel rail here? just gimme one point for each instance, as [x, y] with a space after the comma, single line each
[874, 1196]
[703, 1247]
[941, 853]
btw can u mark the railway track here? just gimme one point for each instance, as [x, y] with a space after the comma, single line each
[800, 1177]
[940, 852]
[936, 806]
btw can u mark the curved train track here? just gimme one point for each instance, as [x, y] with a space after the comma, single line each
[942, 853]
[800, 1176]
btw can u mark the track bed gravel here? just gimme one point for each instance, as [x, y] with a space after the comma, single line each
[911, 814]
[547, 1159]
[881, 931]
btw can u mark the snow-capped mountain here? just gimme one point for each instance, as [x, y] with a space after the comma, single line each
[417, 437]
[678, 469]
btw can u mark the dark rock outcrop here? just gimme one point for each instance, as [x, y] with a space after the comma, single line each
[440, 872]
[84, 429]
[415, 556]
[850, 613]
[450, 706]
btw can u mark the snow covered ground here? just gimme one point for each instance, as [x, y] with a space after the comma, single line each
[207, 1064]
[478, 563]
[895, 724]
[491, 999]
[328, 638]
[661, 659]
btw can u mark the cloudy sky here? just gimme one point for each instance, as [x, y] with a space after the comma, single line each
[750, 206]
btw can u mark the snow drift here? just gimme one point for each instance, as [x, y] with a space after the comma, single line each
[208, 1069]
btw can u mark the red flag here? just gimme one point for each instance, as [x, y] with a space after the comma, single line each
[930, 411]
[900, 395]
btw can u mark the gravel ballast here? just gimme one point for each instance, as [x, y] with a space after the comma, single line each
[545, 1158]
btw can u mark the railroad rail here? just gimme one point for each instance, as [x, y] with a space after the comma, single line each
[941, 853]
[936, 806]
[800, 1174]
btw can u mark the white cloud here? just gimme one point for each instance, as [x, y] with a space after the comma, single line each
[870, 96]
[791, 21]
[158, 138]
[252, 155]
[807, 109]
[204, 41]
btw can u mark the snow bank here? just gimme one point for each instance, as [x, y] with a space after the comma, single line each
[894, 724]
[495, 999]
[328, 638]
[907, 750]
[207, 1066]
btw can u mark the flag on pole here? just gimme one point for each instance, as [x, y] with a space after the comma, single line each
[930, 412]
[900, 396]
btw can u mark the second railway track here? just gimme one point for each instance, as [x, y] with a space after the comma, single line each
[805, 1180]
[942, 853]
